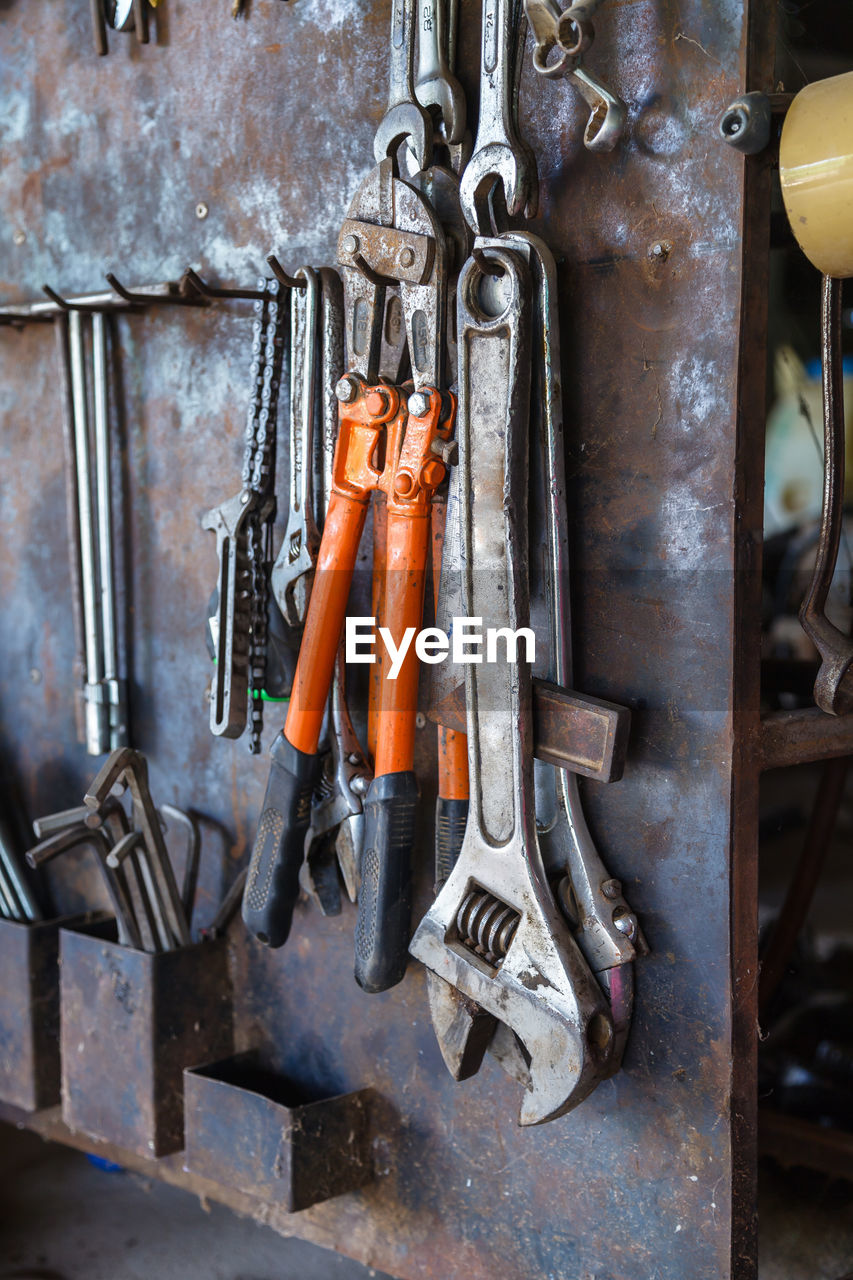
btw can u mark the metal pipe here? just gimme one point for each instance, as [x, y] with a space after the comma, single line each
[112, 687]
[73, 522]
[23, 894]
[96, 736]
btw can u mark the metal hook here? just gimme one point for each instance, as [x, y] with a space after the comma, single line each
[63, 303]
[488, 266]
[210, 292]
[148, 300]
[374, 278]
[289, 282]
[15, 321]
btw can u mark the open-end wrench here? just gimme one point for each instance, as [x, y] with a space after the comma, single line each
[570, 31]
[405, 117]
[437, 88]
[294, 568]
[494, 932]
[499, 153]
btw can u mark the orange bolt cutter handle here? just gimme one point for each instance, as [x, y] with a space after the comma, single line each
[413, 471]
[272, 884]
[451, 806]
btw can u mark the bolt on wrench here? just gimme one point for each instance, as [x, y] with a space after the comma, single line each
[293, 570]
[494, 932]
[571, 31]
[499, 153]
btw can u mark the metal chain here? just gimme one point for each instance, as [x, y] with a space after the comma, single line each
[259, 480]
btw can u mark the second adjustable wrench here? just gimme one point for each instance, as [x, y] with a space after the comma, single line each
[292, 572]
[494, 932]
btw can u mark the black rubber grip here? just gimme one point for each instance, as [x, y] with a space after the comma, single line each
[451, 819]
[385, 895]
[272, 885]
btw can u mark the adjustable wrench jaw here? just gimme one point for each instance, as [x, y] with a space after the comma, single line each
[231, 674]
[294, 567]
[542, 990]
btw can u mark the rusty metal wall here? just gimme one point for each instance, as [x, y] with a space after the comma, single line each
[269, 122]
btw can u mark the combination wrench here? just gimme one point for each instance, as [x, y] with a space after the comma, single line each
[500, 155]
[405, 119]
[294, 568]
[494, 933]
[437, 89]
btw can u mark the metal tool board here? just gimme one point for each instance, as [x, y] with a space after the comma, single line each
[268, 122]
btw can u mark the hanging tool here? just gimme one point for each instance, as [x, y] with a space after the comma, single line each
[119, 15]
[494, 932]
[390, 236]
[88, 453]
[130, 768]
[294, 568]
[392, 233]
[243, 528]
[570, 32]
[500, 156]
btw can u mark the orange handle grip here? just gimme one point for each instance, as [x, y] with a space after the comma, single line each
[405, 579]
[324, 621]
[452, 764]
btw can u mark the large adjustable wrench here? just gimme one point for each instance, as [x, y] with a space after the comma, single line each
[294, 567]
[500, 155]
[607, 930]
[494, 932]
